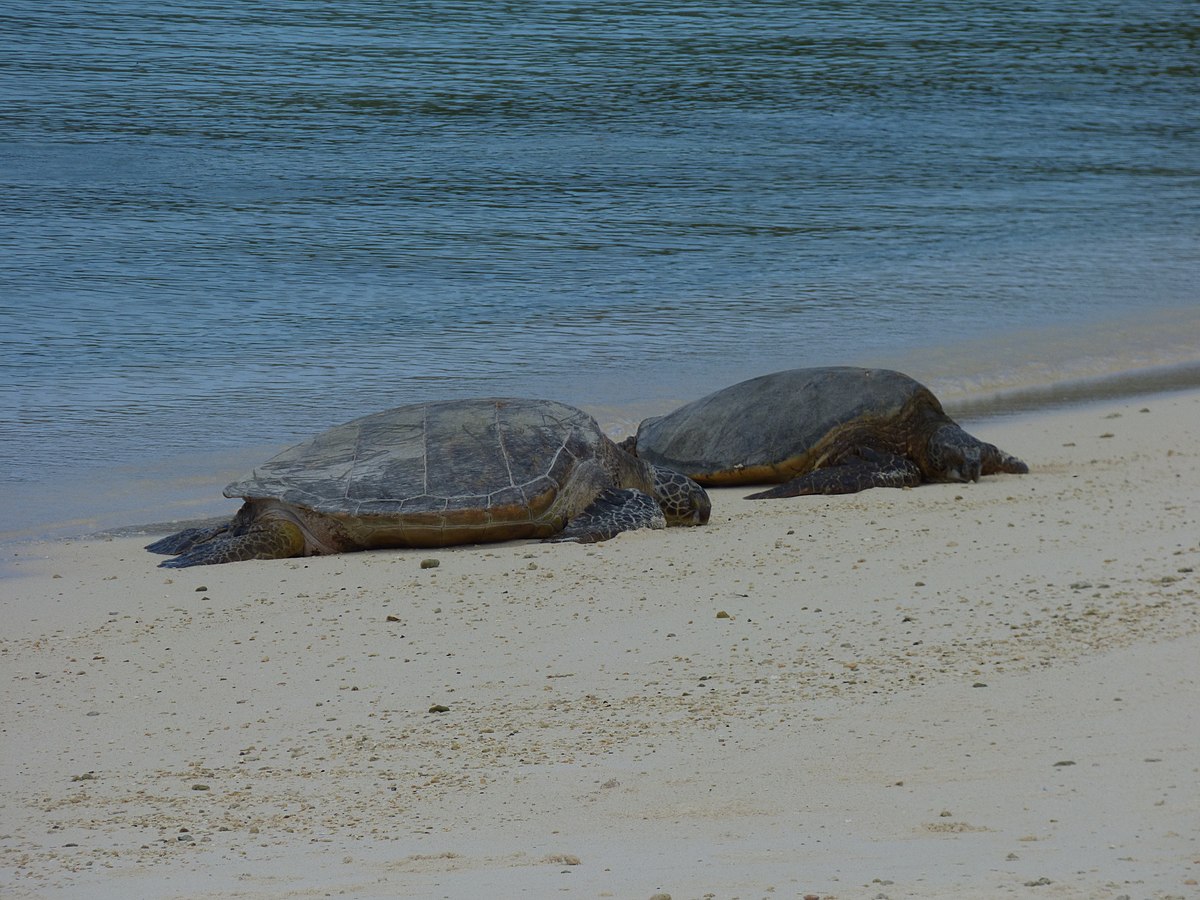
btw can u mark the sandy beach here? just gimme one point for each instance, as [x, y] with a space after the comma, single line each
[971, 691]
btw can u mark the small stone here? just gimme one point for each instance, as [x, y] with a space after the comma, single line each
[430, 563]
[1065, 762]
[439, 708]
[199, 787]
[1039, 883]
[979, 684]
[185, 837]
[392, 619]
[660, 897]
[721, 614]
[945, 814]
[201, 589]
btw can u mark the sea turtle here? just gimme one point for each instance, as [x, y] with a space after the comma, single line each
[435, 474]
[835, 430]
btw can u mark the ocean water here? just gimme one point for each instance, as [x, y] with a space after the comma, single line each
[226, 226]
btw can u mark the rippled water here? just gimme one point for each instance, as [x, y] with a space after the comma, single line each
[226, 225]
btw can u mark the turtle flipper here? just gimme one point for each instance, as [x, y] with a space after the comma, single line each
[865, 469]
[266, 539]
[614, 510]
[182, 541]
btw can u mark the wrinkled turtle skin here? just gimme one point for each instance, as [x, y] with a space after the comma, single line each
[833, 430]
[437, 474]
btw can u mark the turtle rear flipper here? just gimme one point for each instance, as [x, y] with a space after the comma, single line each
[614, 510]
[865, 469]
[266, 539]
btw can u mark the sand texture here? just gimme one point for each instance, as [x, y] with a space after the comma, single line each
[974, 691]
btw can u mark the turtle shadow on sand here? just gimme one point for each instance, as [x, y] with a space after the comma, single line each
[439, 474]
[833, 430]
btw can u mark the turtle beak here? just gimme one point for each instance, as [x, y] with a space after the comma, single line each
[970, 468]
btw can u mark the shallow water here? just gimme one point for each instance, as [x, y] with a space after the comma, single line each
[225, 227]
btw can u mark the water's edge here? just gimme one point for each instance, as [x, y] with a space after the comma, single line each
[1076, 392]
[972, 411]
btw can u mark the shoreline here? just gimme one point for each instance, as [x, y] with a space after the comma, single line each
[950, 691]
[1076, 393]
[127, 501]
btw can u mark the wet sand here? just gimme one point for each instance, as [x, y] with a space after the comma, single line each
[953, 691]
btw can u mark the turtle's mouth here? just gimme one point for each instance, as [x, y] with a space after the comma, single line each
[963, 475]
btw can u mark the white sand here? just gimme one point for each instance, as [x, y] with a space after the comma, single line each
[951, 691]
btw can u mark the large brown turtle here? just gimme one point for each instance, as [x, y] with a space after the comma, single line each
[833, 430]
[435, 474]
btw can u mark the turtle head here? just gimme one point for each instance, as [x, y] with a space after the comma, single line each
[953, 455]
[683, 501]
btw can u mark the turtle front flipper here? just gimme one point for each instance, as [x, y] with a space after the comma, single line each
[264, 539]
[183, 541]
[865, 469]
[614, 510]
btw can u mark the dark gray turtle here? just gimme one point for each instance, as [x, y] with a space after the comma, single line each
[833, 430]
[436, 474]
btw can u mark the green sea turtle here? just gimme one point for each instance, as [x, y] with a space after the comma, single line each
[436, 474]
[833, 430]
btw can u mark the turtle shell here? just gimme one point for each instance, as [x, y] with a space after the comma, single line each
[499, 460]
[772, 427]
